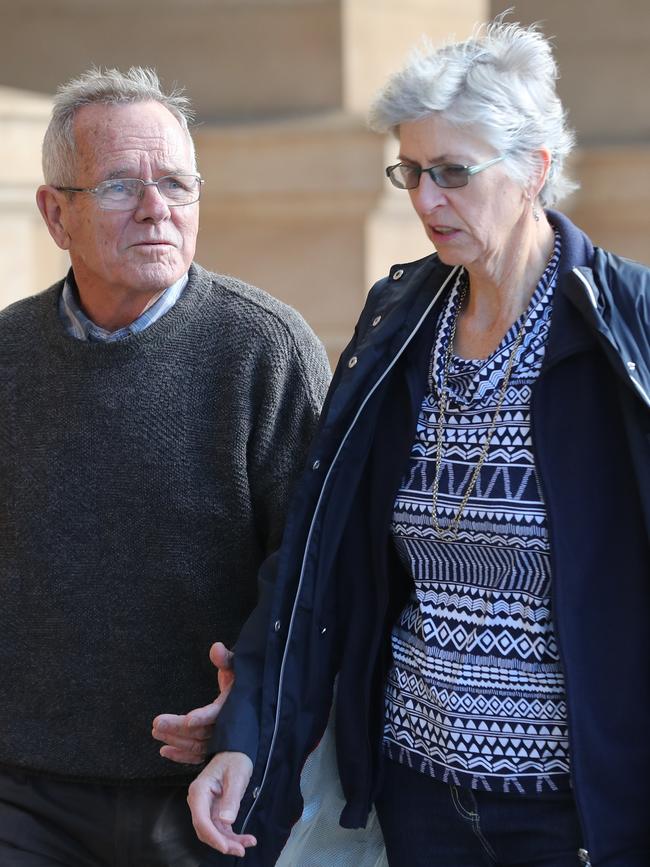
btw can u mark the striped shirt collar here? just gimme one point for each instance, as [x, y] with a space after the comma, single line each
[78, 325]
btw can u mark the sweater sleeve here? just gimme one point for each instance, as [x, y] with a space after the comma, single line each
[290, 387]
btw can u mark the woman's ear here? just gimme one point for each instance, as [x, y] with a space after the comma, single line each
[538, 180]
[51, 204]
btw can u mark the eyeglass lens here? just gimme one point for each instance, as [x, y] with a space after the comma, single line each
[125, 192]
[446, 176]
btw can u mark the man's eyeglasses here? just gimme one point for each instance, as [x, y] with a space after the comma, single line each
[446, 175]
[124, 194]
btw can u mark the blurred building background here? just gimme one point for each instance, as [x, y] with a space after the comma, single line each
[296, 200]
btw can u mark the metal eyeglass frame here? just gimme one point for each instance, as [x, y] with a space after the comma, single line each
[95, 190]
[432, 171]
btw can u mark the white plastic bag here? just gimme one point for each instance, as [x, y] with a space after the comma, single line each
[317, 839]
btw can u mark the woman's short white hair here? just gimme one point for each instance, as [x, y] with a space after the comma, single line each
[109, 87]
[502, 83]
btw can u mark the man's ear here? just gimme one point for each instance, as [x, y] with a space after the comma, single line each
[50, 203]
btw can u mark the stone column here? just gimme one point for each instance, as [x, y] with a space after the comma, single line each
[29, 260]
[298, 201]
[604, 69]
[295, 199]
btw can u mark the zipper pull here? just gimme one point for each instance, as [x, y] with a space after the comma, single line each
[583, 857]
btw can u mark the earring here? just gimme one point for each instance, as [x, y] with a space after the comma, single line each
[534, 207]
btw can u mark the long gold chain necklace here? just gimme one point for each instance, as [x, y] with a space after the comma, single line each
[452, 530]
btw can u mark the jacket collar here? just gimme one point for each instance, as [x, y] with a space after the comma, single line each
[411, 286]
[608, 294]
[569, 333]
[402, 298]
[404, 294]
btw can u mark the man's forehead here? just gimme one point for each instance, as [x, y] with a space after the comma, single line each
[114, 133]
[129, 119]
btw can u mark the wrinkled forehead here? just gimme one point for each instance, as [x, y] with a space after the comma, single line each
[108, 137]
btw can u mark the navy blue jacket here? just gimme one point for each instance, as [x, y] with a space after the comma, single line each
[330, 595]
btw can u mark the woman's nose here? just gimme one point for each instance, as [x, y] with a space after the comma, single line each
[427, 195]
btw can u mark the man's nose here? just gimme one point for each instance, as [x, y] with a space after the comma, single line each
[152, 205]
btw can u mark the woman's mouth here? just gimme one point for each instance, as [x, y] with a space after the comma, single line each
[443, 231]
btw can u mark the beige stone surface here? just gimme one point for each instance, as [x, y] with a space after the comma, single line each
[242, 59]
[29, 260]
[238, 59]
[296, 199]
[286, 207]
[612, 205]
[602, 48]
[378, 34]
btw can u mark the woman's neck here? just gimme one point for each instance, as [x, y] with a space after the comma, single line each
[500, 291]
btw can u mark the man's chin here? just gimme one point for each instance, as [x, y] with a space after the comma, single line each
[156, 276]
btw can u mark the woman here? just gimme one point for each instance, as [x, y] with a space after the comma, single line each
[468, 550]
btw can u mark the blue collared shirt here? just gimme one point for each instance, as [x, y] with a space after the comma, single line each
[78, 325]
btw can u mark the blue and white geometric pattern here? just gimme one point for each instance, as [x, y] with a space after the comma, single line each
[475, 695]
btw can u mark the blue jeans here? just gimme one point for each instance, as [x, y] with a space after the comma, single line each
[431, 824]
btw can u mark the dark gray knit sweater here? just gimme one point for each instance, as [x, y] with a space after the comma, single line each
[141, 485]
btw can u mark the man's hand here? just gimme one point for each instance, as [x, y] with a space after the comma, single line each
[186, 736]
[214, 798]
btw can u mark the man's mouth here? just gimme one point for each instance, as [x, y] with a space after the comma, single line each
[151, 244]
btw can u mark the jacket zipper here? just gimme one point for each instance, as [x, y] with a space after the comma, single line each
[374, 388]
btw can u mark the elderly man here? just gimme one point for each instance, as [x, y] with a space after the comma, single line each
[152, 418]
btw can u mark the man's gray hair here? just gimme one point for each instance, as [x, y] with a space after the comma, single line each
[501, 82]
[109, 87]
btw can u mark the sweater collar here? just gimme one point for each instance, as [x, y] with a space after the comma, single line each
[78, 325]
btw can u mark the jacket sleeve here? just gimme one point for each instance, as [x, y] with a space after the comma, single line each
[291, 378]
[237, 729]
[238, 726]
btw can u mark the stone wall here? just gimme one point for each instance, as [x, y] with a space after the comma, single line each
[29, 260]
[296, 199]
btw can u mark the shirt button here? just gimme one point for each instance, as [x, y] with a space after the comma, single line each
[277, 625]
[631, 365]
[399, 273]
[376, 321]
[352, 362]
[315, 465]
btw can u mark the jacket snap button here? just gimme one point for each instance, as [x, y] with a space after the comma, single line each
[256, 791]
[352, 361]
[323, 630]
[631, 365]
[315, 465]
[277, 625]
[399, 273]
[376, 321]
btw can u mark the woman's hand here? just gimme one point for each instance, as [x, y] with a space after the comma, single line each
[214, 798]
[186, 736]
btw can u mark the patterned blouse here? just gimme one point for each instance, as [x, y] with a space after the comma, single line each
[475, 695]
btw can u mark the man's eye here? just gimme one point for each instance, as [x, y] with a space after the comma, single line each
[174, 183]
[116, 188]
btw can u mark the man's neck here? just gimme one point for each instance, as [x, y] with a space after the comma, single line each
[114, 312]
